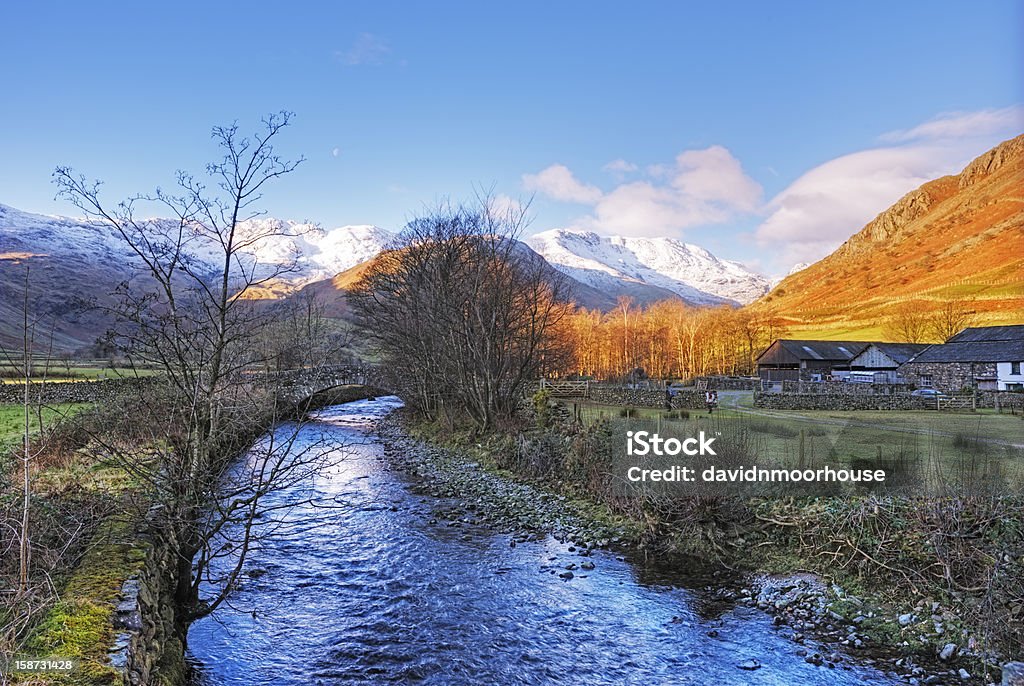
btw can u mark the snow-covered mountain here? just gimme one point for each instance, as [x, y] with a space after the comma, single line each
[798, 267]
[74, 262]
[610, 263]
[319, 253]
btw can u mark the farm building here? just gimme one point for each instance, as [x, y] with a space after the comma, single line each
[879, 362]
[789, 360]
[985, 358]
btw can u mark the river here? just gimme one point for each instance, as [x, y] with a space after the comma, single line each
[385, 593]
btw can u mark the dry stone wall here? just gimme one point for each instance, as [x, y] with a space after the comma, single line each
[150, 645]
[70, 392]
[1002, 400]
[821, 401]
[730, 383]
[844, 388]
[646, 397]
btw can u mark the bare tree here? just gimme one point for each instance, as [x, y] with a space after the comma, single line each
[303, 336]
[908, 323]
[950, 319]
[186, 313]
[24, 363]
[463, 314]
[24, 544]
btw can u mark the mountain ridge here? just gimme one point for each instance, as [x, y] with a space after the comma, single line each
[955, 238]
[691, 272]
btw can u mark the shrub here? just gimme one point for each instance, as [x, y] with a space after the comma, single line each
[542, 407]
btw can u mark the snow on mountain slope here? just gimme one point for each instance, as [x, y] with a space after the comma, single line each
[608, 262]
[321, 253]
[76, 264]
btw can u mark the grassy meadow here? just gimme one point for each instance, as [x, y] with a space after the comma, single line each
[12, 421]
[58, 371]
[936, 447]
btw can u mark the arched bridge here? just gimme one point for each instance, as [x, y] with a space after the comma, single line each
[298, 385]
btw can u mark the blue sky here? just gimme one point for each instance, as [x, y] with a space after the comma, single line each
[766, 132]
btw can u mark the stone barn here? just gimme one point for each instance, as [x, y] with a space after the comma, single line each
[986, 358]
[790, 360]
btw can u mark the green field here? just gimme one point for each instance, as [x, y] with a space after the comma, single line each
[60, 373]
[939, 447]
[12, 421]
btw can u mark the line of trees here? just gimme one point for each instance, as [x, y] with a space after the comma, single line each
[668, 339]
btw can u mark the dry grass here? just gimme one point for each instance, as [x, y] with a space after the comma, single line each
[967, 246]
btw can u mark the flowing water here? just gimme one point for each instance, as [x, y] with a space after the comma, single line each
[384, 593]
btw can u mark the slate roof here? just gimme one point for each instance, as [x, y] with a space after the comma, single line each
[823, 350]
[974, 351]
[989, 333]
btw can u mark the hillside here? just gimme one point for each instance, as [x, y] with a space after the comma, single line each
[957, 238]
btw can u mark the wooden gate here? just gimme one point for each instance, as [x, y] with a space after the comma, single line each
[566, 389]
[954, 403]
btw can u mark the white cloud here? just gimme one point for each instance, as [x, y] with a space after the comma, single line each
[1003, 121]
[834, 200]
[713, 175]
[504, 205]
[559, 183]
[645, 209]
[335, 152]
[620, 166]
[367, 49]
[700, 187]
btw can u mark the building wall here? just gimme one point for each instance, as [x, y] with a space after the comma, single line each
[947, 376]
[1006, 379]
[872, 358]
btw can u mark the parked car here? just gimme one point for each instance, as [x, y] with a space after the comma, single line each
[928, 393]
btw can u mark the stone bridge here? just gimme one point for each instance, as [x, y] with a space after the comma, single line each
[295, 386]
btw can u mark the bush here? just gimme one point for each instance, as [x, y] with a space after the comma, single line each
[542, 407]
[777, 430]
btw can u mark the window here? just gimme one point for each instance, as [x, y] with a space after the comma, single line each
[1015, 368]
[926, 381]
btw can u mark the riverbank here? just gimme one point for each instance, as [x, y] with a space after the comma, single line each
[101, 590]
[784, 552]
